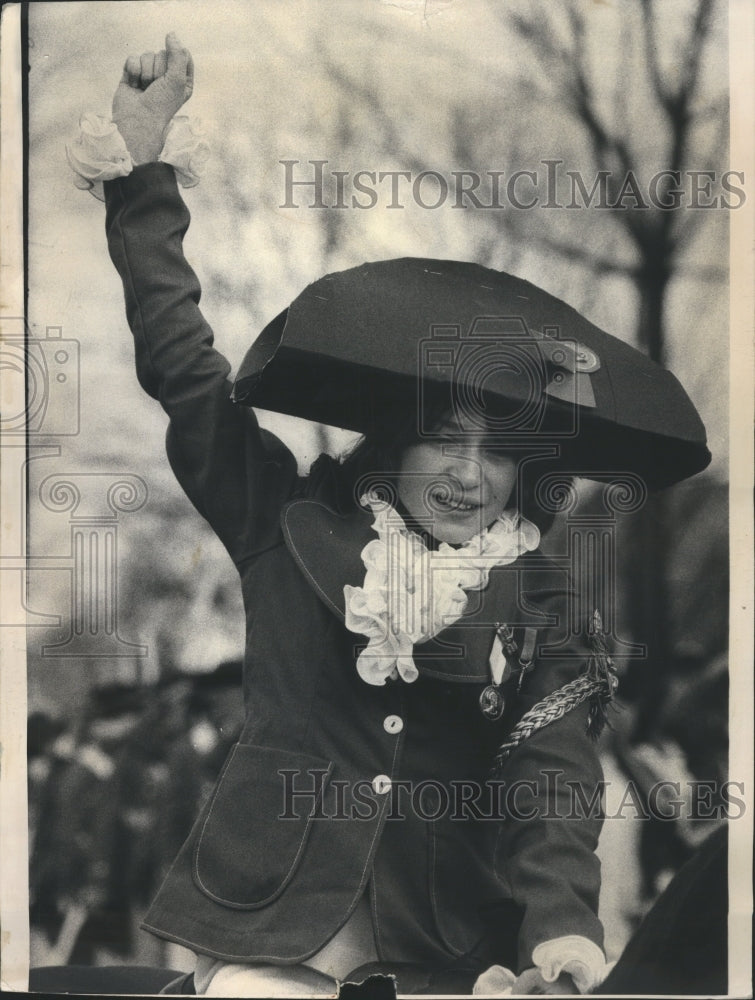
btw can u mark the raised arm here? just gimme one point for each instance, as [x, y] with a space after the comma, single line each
[235, 474]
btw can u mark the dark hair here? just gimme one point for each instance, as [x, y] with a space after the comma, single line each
[380, 451]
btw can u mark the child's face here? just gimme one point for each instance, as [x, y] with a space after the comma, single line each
[455, 485]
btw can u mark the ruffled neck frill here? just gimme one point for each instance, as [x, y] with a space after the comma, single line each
[415, 587]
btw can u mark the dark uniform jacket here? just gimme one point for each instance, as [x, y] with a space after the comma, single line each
[295, 829]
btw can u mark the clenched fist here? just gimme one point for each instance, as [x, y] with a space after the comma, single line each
[152, 89]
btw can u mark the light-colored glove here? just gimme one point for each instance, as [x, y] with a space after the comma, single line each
[495, 981]
[152, 89]
[499, 981]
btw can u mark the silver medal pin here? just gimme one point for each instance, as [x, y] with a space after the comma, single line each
[492, 702]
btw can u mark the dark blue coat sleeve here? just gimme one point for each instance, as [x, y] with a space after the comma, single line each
[546, 849]
[235, 474]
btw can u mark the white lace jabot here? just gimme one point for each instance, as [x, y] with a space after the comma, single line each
[411, 593]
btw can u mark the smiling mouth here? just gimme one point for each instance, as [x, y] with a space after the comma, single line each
[454, 504]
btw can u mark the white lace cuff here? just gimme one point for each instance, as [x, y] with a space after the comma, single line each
[575, 955]
[99, 153]
[186, 150]
[581, 958]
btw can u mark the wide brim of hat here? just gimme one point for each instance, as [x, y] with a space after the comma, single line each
[417, 335]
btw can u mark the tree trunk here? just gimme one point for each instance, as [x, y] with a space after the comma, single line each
[650, 544]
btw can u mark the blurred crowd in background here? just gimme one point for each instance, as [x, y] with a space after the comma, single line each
[113, 794]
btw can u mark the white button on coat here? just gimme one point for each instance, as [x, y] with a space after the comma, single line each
[381, 784]
[393, 724]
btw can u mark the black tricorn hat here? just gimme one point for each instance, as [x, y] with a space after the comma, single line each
[494, 349]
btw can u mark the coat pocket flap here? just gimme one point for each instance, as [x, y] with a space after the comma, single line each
[254, 830]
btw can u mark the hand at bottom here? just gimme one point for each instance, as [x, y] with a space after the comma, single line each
[499, 981]
[531, 981]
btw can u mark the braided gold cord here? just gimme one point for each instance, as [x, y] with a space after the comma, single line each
[551, 708]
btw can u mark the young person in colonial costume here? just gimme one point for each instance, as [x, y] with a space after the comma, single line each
[419, 706]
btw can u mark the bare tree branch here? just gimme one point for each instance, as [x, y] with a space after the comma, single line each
[357, 89]
[598, 263]
[651, 55]
[680, 105]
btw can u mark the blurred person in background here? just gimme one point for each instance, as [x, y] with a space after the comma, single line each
[690, 748]
[81, 889]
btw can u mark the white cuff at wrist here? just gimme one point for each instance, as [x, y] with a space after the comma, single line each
[186, 150]
[578, 956]
[99, 153]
